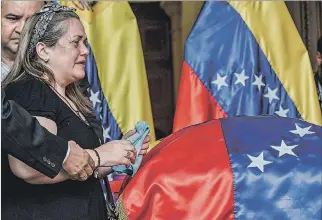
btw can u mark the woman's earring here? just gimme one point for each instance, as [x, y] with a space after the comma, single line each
[46, 60]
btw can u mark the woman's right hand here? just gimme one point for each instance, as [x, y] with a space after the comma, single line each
[116, 153]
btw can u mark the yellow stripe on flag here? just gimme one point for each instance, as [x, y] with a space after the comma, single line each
[276, 34]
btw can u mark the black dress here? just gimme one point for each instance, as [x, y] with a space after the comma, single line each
[81, 200]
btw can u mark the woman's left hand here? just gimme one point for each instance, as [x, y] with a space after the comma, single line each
[146, 141]
[104, 171]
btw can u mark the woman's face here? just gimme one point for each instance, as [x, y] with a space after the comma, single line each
[67, 58]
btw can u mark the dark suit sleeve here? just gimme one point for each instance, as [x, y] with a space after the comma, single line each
[24, 138]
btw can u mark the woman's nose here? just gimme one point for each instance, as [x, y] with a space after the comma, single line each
[84, 50]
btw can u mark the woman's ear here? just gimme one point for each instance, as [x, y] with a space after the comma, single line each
[43, 51]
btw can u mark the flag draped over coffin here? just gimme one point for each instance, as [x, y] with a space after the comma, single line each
[231, 168]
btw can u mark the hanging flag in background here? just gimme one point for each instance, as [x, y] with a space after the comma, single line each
[245, 58]
[115, 66]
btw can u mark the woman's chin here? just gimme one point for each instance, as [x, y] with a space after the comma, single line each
[79, 76]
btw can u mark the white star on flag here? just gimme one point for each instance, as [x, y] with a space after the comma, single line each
[241, 78]
[284, 149]
[258, 162]
[271, 95]
[258, 82]
[302, 131]
[94, 98]
[220, 81]
[106, 134]
[282, 112]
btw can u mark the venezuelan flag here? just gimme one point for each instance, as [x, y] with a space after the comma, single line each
[115, 66]
[245, 58]
[236, 168]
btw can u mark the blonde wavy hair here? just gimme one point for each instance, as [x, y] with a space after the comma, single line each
[25, 64]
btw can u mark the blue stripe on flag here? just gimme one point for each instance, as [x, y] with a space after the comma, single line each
[111, 130]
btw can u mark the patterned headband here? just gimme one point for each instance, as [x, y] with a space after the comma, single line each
[47, 13]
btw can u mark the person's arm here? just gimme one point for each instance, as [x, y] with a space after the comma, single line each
[30, 175]
[24, 138]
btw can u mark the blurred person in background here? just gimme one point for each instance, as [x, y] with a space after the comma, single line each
[14, 15]
[318, 73]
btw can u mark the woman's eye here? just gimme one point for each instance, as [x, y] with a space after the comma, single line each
[76, 43]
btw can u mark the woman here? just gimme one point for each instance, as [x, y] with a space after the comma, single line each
[50, 60]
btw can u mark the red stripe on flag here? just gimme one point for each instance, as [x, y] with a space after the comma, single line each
[195, 103]
[174, 183]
